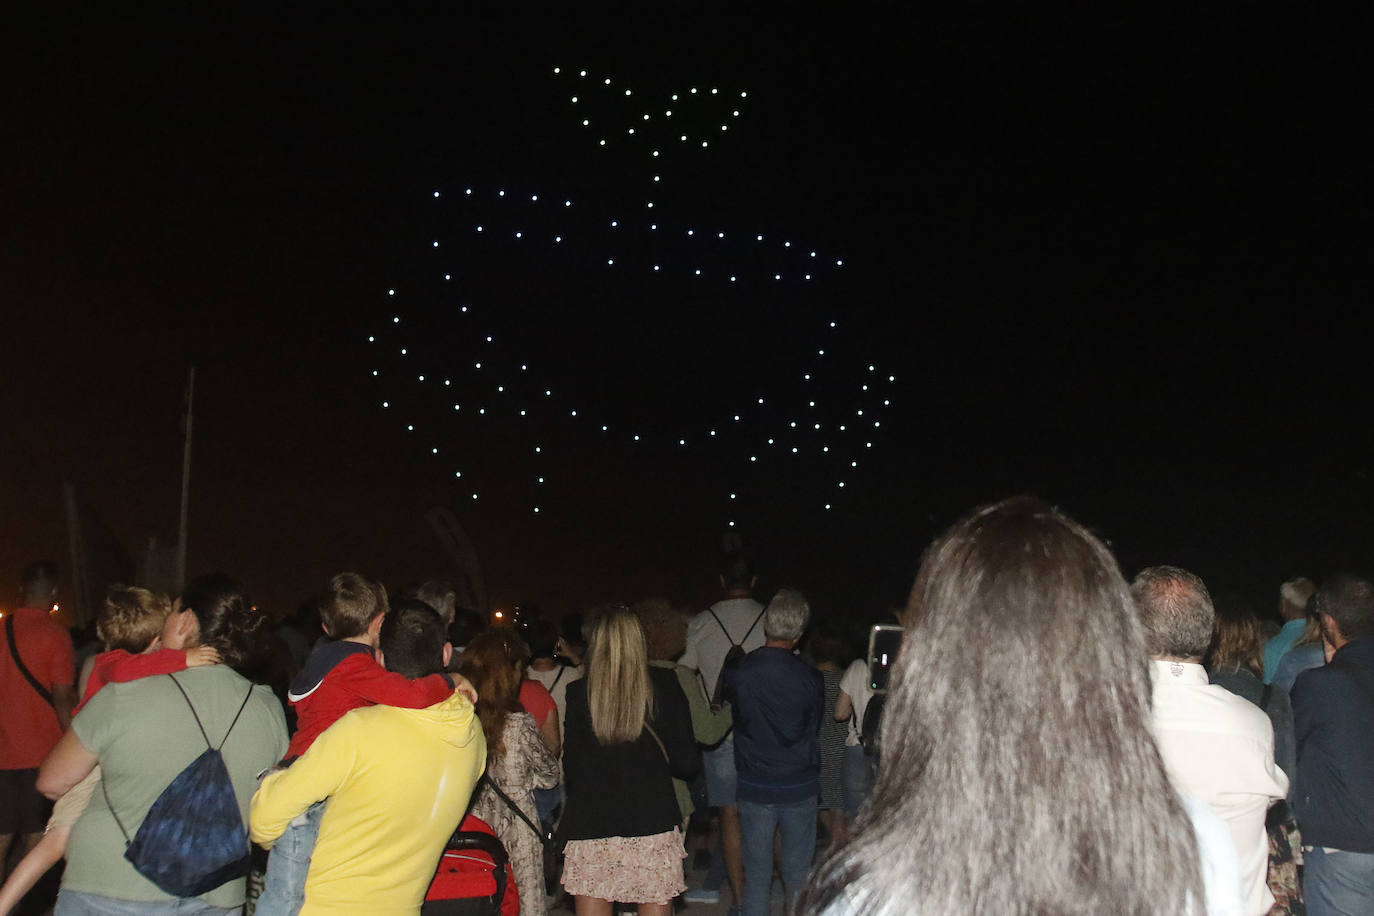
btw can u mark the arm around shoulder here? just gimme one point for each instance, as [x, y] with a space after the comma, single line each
[313, 777]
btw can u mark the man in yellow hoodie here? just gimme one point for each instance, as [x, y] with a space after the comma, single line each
[397, 783]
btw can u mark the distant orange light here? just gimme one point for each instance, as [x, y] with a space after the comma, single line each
[54, 609]
[499, 615]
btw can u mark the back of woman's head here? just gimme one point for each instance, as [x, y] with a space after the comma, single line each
[665, 630]
[492, 663]
[1236, 646]
[1018, 772]
[619, 695]
[229, 622]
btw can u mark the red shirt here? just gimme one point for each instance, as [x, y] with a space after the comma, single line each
[28, 725]
[342, 676]
[537, 700]
[465, 873]
[119, 666]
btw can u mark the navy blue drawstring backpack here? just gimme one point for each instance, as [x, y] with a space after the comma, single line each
[193, 839]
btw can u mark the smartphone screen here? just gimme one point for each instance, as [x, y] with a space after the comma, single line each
[883, 642]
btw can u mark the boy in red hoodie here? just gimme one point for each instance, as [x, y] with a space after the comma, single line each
[341, 674]
[130, 626]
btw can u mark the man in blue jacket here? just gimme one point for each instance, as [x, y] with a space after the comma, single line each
[778, 700]
[1333, 716]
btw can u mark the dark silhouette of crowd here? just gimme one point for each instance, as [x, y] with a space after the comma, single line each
[1050, 738]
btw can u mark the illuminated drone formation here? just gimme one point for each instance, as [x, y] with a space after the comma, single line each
[835, 419]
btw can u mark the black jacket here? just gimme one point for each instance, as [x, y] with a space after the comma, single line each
[626, 789]
[1333, 715]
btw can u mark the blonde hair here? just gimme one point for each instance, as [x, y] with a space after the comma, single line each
[619, 695]
[131, 618]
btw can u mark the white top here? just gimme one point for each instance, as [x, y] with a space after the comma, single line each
[707, 643]
[556, 681]
[1219, 749]
[854, 684]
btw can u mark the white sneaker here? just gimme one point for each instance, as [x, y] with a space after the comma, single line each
[701, 895]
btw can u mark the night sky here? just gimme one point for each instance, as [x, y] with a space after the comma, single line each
[1120, 262]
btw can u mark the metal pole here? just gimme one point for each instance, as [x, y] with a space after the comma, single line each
[185, 485]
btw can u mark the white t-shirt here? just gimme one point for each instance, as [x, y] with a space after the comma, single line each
[707, 643]
[854, 684]
[556, 681]
[1219, 749]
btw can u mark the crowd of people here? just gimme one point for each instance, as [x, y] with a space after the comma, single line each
[1053, 739]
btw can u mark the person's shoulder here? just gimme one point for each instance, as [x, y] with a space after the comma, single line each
[746, 608]
[34, 622]
[1236, 712]
[663, 677]
[1337, 677]
[698, 621]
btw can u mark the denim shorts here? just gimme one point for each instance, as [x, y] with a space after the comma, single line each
[719, 764]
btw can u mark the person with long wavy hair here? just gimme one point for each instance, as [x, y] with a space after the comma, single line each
[629, 733]
[1018, 771]
[518, 761]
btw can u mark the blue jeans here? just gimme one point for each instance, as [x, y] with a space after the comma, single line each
[758, 822]
[859, 772]
[721, 779]
[75, 903]
[283, 887]
[545, 802]
[1338, 883]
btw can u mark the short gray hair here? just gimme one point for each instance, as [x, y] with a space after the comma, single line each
[786, 616]
[1175, 610]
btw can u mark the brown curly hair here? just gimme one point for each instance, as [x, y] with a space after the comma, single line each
[665, 630]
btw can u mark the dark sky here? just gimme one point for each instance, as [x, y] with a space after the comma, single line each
[1121, 262]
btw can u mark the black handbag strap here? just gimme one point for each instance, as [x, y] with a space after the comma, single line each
[510, 803]
[24, 669]
[474, 840]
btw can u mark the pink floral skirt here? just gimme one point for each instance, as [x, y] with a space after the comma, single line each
[628, 869]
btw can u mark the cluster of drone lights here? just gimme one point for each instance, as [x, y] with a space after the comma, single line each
[797, 436]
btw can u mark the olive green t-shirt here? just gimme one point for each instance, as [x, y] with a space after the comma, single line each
[144, 734]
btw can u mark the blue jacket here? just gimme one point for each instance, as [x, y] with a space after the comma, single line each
[777, 700]
[1333, 717]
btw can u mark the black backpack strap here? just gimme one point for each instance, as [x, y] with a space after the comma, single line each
[712, 612]
[106, 793]
[201, 726]
[194, 714]
[110, 805]
[242, 706]
[562, 670]
[24, 669]
[752, 625]
[1265, 696]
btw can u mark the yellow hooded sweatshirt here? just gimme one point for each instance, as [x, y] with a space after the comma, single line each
[398, 782]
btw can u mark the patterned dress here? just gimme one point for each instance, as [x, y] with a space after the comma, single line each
[832, 738]
[525, 766]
